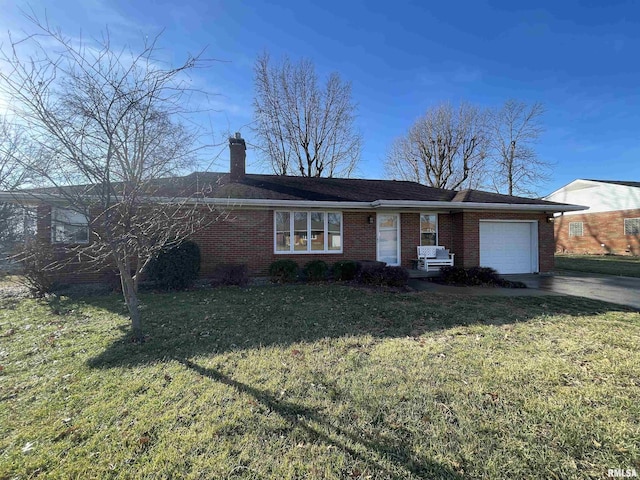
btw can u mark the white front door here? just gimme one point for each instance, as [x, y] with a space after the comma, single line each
[388, 235]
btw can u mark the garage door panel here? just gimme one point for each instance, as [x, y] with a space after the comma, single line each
[508, 246]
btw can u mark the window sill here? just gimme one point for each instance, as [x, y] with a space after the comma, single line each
[314, 252]
[69, 243]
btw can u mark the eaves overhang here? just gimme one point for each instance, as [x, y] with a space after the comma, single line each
[35, 198]
[476, 206]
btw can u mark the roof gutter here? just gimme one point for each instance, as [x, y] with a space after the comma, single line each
[34, 198]
[534, 207]
[28, 198]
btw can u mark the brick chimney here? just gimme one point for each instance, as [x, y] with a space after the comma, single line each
[238, 154]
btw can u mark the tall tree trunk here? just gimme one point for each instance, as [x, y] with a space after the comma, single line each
[512, 154]
[131, 299]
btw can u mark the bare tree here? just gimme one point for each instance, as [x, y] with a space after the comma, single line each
[113, 125]
[514, 130]
[15, 159]
[445, 148]
[304, 128]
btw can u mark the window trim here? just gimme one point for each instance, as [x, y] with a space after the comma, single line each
[291, 250]
[420, 227]
[54, 221]
[637, 219]
[581, 229]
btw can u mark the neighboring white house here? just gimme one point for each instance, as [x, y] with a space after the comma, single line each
[610, 225]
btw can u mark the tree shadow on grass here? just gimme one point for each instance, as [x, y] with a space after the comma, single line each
[320, 428]
[230, 319]
[182, 327]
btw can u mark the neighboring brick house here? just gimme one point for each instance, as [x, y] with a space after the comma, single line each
[273, 217]
[610, 225]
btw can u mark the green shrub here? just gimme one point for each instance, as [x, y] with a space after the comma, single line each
[231, 274]
[483, 276]
[176, 268]
[39, 266]
[316, 271]
[371, 273]
[345, 270]
[111, 281]
[476, 276]
[283, 271]
[378, 274]
[453, 275]
[395, 276]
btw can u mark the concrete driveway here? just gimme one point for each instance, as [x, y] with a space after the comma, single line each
[620, 290]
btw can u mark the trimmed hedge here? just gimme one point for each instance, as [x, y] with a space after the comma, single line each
[476, 276]
[316, 270]
[345, 270]
[396, 276]
[176, 268]
[454, 275]
[371, 273]
[377, 274]
[283, 271]
[231, 274]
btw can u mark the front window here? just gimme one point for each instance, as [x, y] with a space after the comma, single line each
[575, 229]
[308, 232]
[68, 226]
[428, 229]
[632, 226]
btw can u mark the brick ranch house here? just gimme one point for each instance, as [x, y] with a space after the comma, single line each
[274, 217]
[610, 225]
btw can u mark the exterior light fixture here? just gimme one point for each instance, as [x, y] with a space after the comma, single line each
[370, 219]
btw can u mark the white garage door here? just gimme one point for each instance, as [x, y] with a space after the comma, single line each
[509, 247]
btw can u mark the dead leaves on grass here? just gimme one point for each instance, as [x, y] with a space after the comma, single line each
[66, 432]
[9, 332]
[493, 396]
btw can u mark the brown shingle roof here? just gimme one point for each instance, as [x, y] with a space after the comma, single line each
[479, 196]
[277, 187]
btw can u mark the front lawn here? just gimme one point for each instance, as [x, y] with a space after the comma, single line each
[319, 382]
[605, 264]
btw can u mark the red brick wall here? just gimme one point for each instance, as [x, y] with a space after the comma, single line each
[72, 269]
[546, 245]
[409, 237]
[446, 231]
[246, 236]
[598, 228]
[457, 238]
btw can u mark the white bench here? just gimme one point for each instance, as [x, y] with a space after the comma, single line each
[432, 257]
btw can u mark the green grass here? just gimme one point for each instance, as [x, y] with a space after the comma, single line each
[605, 264]
[319, 382]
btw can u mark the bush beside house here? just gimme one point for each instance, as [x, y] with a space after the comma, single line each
[345, 270]
[475, 277]
[283, 271]
[176, 268]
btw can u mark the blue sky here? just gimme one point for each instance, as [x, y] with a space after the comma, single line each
[579, 58]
